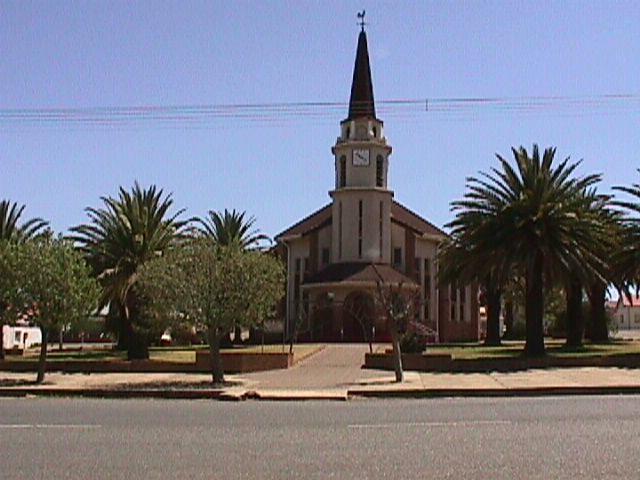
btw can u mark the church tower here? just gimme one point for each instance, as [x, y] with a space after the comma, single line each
[361, 207]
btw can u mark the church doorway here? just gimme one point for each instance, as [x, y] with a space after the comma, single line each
[358, 314]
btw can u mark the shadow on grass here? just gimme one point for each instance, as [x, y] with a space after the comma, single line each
[19, 382]
[176, 385]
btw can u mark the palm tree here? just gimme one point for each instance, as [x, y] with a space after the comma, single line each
[602, 225]
[231, 227]
[627, 256]
[461, 262]
[525, 220]
[120, 237]
[12, 230]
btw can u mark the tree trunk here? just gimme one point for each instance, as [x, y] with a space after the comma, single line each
[42, 359]
[508, 319]
[575, 322]
[599, 331]
[217, 373]
[534, 309]
[493, 318]
[237, 336]
[1, 338]
[397, 354]
[138, 345]
[121, 325]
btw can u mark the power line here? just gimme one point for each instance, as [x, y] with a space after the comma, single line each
[210, 115]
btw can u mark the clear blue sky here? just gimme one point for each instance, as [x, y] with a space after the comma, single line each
[279, 167]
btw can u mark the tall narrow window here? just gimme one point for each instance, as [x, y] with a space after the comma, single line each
[461, 303]
[397, 257]
[453, 300]
[343, 171]
[379, 171]
[426, 285]
[340, 231]
[359, 228]
[380, 228]
[306, 268]
[296, 279]
[325, 256]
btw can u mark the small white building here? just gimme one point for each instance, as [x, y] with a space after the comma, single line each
[625, 312]
[20, 337]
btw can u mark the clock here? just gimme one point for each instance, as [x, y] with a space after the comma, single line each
[361, 157]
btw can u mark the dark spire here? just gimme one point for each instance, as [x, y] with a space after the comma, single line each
[361, 103]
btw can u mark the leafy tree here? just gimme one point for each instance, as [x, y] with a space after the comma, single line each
[527, 220]
[214, 287]
[130, 230]
[55, 287]
[231, 228]
[13, 230]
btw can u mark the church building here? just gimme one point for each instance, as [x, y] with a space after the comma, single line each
[339, 256]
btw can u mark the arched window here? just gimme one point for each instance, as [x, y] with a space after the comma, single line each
[379, 171]
[343, 171]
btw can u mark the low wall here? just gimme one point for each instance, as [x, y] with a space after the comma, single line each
[445, 363]
[245, 362]
[231, 363]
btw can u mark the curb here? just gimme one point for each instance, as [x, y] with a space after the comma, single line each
[300, 396]
[497, 392]
[185, 394]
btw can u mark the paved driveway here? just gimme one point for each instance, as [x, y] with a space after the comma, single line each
[336, 366]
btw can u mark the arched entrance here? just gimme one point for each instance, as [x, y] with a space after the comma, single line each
[358, 314]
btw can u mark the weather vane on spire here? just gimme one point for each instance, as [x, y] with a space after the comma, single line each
[361, 18]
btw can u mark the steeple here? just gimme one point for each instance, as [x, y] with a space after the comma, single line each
[361, 104]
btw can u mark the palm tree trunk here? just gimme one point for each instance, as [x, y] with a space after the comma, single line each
[397, 354]
[534, 309]
[575, 322]
[598, 332]
[217, 373]
[42, 359]
[494, 297]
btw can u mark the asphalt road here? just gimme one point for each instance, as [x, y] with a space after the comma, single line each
[568, 437]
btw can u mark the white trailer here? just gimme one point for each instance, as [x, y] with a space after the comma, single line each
[20, 337]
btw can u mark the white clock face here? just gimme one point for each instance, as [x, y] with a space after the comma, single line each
[361, 157]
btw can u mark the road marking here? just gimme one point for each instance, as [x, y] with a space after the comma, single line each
[46, 425]
[469, 423]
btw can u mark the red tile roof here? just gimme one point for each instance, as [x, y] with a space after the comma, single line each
[358, 272]
[624, 301]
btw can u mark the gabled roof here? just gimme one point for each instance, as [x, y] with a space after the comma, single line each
[623, 301]
[402, 215]
[361, 104]
[316, 220]
[358, 272]
[399, 214]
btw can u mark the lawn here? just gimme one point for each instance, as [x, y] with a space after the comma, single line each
[514, 349]
[556, 348]
[162, 354]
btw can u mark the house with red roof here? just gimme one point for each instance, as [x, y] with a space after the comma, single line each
[625, 312]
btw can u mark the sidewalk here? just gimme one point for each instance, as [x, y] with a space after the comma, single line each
[334, 373]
